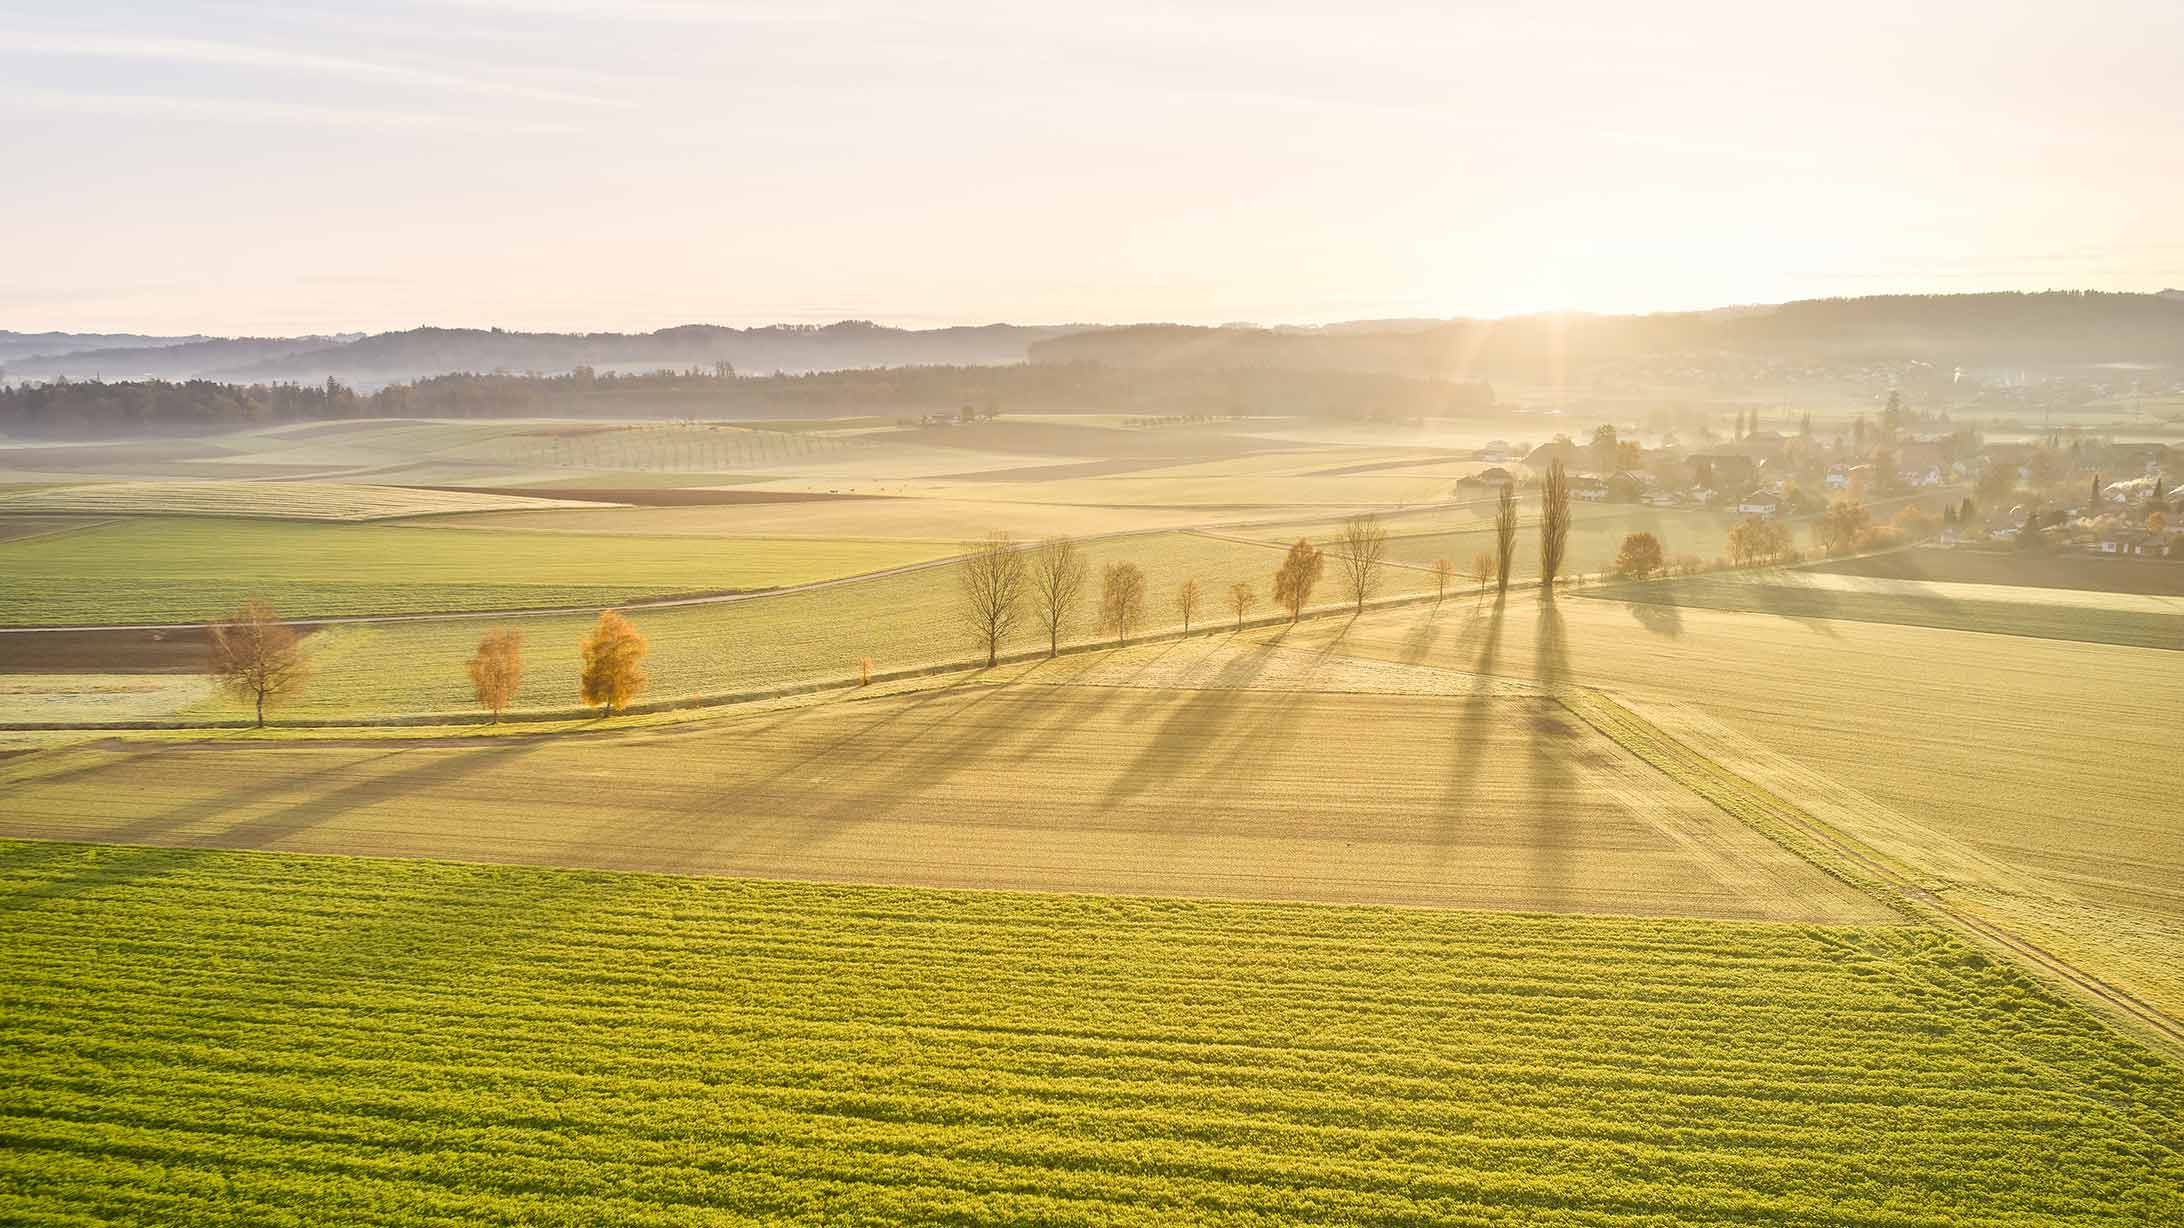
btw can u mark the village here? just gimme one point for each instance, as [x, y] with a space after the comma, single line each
[2069, 491]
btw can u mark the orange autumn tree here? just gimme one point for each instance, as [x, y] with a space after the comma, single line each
[614, 663]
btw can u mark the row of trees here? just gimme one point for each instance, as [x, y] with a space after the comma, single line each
[259, 659]
[1004, 584]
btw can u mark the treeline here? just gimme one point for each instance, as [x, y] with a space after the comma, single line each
[2061, 328]
[412, 353]
[94, 409]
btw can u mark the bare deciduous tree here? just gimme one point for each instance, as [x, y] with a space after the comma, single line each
[1442, 570]
[993, 582]
[1482, 569]
[1057, 580]
[1300, 570]
[1186, 603]
[1241, 598]
[1122, 598]
[1364, 554]
[1505, 536]
[614, 663]
[1554, 525]
[496, 672]
[256, 656]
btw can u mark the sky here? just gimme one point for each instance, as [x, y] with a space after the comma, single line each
[262, 169]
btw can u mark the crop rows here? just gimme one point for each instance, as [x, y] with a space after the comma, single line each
[223, 1036]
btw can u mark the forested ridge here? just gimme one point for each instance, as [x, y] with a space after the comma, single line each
[95, 408]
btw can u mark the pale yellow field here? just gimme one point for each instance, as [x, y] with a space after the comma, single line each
[933, 520]
[99, 697]
[284, 500]
[1947, 591]
[1238, 787]
[2052, 763]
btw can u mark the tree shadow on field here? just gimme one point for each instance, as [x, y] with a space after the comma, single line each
[1551, 734]
[867, 776]
[1665, 621]
[1186, 742]
[1425, 633]
[434, 766]
[171, 828]
[1474, 722]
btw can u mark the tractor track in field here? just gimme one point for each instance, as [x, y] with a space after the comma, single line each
[1678, 759]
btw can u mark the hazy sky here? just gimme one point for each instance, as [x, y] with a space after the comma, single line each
[245, 168]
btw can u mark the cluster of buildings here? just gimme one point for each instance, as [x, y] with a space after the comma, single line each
[2090, 493]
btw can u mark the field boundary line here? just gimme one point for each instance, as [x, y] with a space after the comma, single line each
[1842, 856]
[718, 699]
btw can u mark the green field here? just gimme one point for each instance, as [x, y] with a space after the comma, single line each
[228, 1037]
[279, 500]
[161, 570]
[905, 620]
[2021, 568]
[2099, 618]
[2031, 781]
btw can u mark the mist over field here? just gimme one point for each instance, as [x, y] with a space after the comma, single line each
[1208, 614]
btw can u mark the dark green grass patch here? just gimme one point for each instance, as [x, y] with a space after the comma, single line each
[1786, 595]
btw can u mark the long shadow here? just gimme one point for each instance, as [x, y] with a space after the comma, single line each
[859, 786]
[167, 827]
[1208, 709]
[1424, 635]
[1550, 730]
[1467, 761]
[1665, 621]
[438, 767]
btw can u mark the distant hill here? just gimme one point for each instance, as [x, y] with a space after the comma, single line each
[181, 360]
[418, 353]
[14, 345]
[2019, 332]
[2056, 329]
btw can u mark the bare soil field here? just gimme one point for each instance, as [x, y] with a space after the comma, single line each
[1490, 799]
[108, 651]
